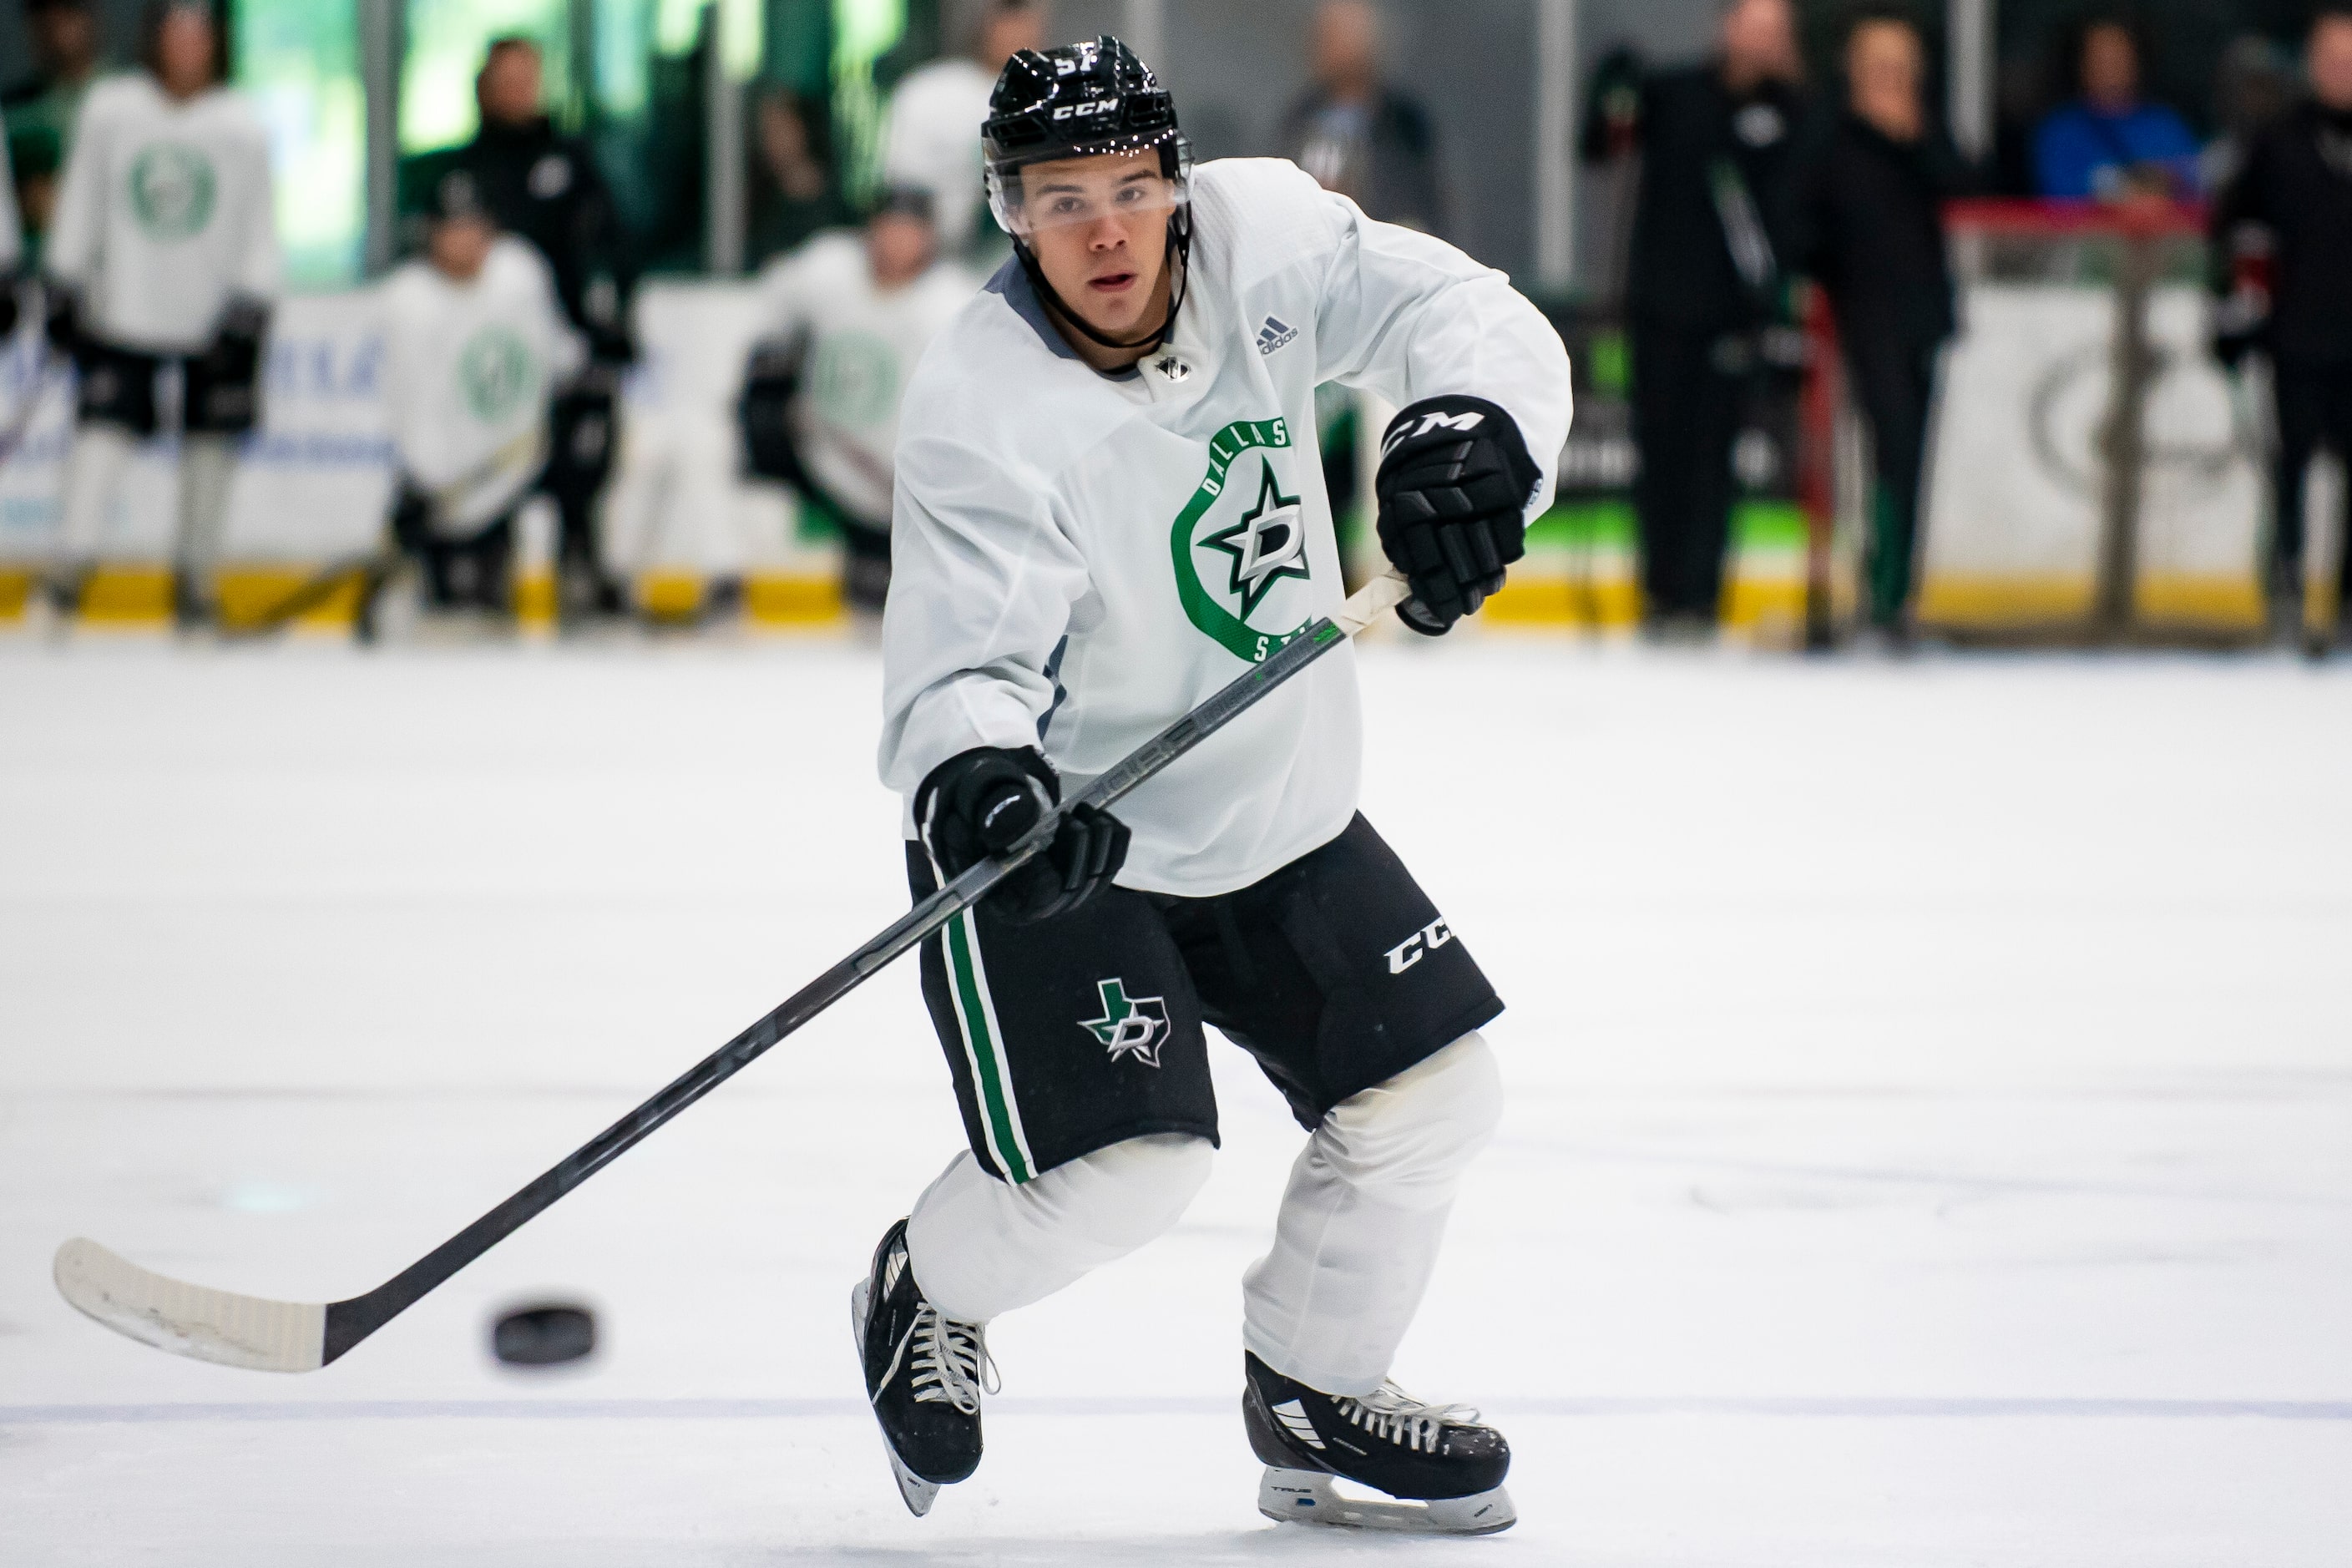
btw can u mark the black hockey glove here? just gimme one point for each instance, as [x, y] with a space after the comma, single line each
[1454, 486]
[772, 379]
[61, 318]
[223, 391]
[10, 310]
[979, 803]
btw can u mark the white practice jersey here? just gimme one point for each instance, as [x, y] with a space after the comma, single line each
[863, 342]
[469, 368]
[1078, 560]
[165, 214]
[933, 141]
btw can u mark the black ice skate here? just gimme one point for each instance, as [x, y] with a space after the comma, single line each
[1445, 1467]
[923, 1376]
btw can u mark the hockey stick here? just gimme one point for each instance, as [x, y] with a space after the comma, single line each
[298, 1336]
[35, 385]
[314, 591]
[516, 457]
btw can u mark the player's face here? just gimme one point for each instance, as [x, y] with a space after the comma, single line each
[1883, 66]
[1010, 32]
[1759, 38]
[183, 52]
[1099, 229]
[2331, 63]
[898, 247]
[65, 38]
[2110, 66]
[460, 246]
[511, 85]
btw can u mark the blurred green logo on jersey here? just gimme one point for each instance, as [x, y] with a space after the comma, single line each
[494, 371]
[854, 380]
[172, 190]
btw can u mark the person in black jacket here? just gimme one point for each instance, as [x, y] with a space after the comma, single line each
[1359, 134]
[1709, 230]
[1872, 238]
[545, 188]
[2296, 185]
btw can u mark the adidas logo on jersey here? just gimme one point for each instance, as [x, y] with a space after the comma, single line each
[1273, 333]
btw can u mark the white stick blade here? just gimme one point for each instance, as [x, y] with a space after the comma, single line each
[188, 1319]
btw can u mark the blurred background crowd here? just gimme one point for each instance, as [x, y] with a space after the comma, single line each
[1978, 318]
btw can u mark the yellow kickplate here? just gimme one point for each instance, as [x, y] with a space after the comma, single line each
[1548, 600]
[775, 599]
[669, 595]
[2230, 603]
[127, 595]
[534, 599]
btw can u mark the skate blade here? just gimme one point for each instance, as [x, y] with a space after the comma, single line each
[1308, 1497]
[918, 1493]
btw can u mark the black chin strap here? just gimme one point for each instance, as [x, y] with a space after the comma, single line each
[1179, 258]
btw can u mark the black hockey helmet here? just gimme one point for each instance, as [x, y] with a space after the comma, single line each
[1076, 101]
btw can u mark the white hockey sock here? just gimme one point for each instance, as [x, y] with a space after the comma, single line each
[207, 469]
[980, 1247]
[95, 465]
[1362, 1218]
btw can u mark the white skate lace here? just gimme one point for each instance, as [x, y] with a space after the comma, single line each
[950, 1363]
[1392, 1414]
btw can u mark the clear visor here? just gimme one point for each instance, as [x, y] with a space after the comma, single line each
[1072, 192]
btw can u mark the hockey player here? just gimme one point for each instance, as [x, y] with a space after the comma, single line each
[544, 188]
[845, 317]
[163, 252]
[476, 343]
[935, 111]
[1108, 507]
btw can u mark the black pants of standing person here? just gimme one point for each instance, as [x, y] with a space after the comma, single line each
[2315, 410]
[1685, 414]
[1893, 382]
[584, 430]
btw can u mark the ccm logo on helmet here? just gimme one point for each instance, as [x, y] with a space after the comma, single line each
[1421, 944]
[1086, 110]
[1439, 420]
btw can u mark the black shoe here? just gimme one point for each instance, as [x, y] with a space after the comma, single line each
[924, 1374]
[1447, 1467]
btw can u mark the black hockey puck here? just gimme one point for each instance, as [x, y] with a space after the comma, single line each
[548, 1334]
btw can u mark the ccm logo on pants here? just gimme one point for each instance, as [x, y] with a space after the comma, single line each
[1428, 939]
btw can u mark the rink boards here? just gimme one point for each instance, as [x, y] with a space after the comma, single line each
[2011, 514]
[314, 483]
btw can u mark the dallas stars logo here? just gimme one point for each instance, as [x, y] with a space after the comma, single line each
[1137, 1024]
[1267, 544]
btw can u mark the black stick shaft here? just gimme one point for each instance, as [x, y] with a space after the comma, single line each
[348, 1322]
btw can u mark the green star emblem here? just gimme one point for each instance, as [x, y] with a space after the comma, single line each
[1267, 544]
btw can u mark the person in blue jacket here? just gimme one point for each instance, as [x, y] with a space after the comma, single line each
[2107, 144]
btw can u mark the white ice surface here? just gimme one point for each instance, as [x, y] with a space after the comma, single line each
[1930, 1143]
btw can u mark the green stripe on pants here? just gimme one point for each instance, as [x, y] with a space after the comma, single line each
[987, 1054]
